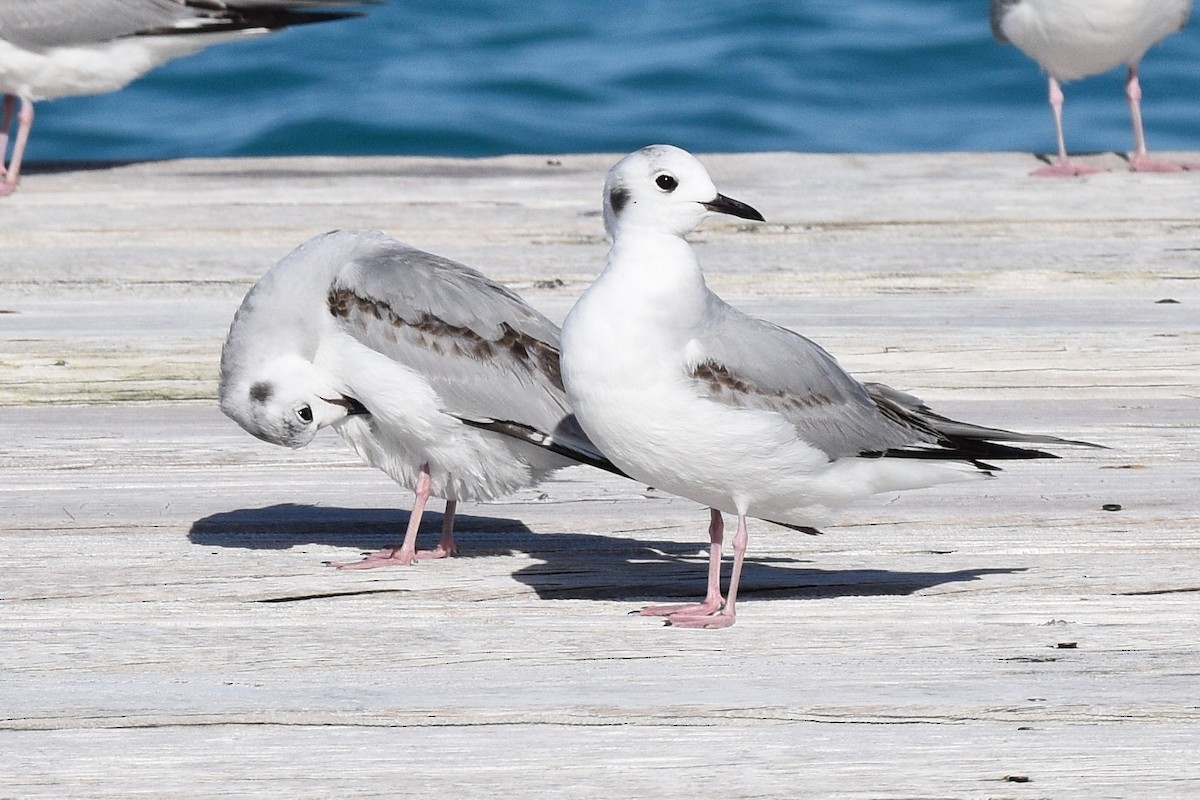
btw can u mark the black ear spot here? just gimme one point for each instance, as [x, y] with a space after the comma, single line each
[617, 198]
[261, 392]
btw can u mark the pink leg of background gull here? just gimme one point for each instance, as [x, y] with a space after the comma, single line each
[1140, 161]
[1064, 167]
[6, 117]
[407, 552]
[12, 175]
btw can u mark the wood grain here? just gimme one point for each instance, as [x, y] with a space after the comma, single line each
[170, 626]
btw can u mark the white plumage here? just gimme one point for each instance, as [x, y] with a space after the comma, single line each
[688, 394]
[1073, 39]
[433, 373]
[66, 48]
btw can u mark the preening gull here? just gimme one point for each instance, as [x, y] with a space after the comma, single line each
[688, 394]
[1072, 39]
[440, 377]
[66, 48]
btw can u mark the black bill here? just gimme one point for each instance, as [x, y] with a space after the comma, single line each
[736, 208]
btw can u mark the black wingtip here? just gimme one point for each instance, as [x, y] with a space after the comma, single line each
[525, 433]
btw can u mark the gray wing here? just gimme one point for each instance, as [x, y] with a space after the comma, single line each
[492, 359]
[1000, 9]
[57, 23]
[749, 363]
[53, 23]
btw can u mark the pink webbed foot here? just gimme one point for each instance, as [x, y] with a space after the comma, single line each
[705, 609]
[1066, 169]
[709, 614]
[387, 557]
[399, 557]
[722, 619]
[437, 552]
[1147, 164]
[6, 188]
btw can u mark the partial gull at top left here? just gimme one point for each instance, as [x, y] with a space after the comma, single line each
[66, 48]
[430, 371]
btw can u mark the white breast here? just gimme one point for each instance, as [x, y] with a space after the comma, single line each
[626, 373]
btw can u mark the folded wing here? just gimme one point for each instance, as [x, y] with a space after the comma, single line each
[746, 362]
[492, 359]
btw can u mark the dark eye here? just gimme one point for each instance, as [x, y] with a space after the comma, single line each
[305, 414]
[666, 182]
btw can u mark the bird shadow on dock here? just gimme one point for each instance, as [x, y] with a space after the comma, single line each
[568, 566]
[580, 566]
[288, 525]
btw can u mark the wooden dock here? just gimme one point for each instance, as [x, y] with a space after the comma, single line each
[170, 627]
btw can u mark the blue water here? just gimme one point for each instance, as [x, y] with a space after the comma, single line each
[488, 77]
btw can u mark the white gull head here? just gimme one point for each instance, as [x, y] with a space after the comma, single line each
[664, 189]
[284, 401]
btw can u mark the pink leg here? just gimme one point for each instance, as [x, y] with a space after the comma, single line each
[1064, 167]
[712, 598]
[1141, 161]
[6, 118]
[446, 546]
[727, 615]
[406, 553]
[24, 123]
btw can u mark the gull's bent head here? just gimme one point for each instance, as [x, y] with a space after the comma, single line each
[664, 188]
[284, 402]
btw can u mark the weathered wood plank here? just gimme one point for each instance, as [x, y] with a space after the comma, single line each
[170, 626]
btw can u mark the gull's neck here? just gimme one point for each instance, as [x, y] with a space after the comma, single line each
[654, 262]
[652, 286]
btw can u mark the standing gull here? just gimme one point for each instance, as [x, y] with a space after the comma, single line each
[66, 48]
[1072, 39]
[685, 392]
[440, 377]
